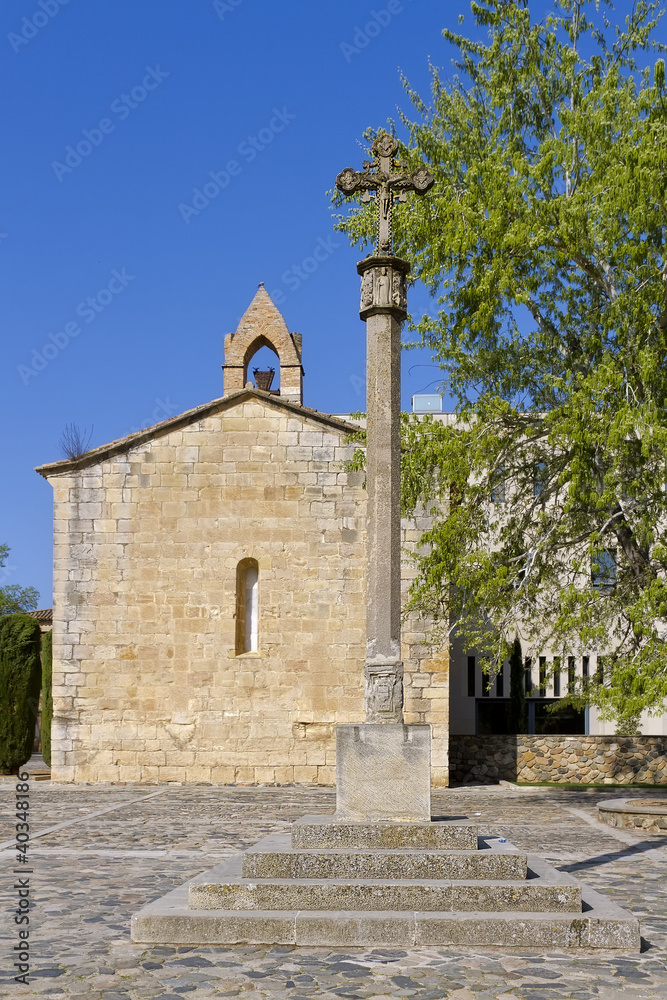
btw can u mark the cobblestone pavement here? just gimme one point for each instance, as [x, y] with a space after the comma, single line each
[101, 852]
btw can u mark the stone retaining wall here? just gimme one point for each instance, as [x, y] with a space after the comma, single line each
[586, 759]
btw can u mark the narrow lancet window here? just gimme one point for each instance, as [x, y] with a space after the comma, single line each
[247, 606]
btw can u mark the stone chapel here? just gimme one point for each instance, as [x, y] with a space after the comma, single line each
[209, 591]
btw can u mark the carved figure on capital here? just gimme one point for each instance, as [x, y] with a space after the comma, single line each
[367, 289]
[383, 290]
[398, 291]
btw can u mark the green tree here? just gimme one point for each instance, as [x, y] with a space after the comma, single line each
[544, 243]
[47, 695]
[20, 682]
[13, 598]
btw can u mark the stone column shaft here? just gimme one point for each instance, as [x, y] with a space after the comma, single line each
[383, 307]
[383, 459]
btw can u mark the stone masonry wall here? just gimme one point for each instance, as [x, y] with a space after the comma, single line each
[585, 759]
[426, 668]
[147, 683]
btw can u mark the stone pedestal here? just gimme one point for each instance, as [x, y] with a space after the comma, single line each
[383, 772]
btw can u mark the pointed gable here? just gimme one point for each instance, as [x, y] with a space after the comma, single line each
[262, 325]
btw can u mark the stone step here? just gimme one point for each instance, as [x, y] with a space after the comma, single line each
[603, 925]
[325, 832]
[273, 857]
[231, 891]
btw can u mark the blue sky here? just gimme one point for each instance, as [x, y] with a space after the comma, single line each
[116, 295]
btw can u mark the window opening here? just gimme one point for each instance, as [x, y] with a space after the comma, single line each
[571, 674]
[471, 676]
[543, 676]
[247, 606]
[528, 681]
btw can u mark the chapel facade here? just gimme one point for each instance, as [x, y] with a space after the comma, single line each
[209, 591]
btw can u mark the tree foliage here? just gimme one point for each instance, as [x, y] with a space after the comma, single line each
[544, 243]
[15, 599]
[20, 681]
[518, 721]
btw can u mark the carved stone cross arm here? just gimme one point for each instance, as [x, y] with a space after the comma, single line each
[382, 177]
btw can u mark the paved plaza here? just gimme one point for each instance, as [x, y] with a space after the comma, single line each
[100, 852]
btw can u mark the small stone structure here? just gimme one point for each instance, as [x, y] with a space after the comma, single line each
[640, 812]
[263, 326]
[340, 884]
[584, 759]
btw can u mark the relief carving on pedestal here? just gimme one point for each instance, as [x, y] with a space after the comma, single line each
[384, 692]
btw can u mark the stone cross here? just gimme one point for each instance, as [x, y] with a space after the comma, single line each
[384, 308]
[385, 181]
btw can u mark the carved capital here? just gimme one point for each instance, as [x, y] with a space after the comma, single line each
[383, 286]
[384, 691]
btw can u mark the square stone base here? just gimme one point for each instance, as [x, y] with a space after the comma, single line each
[383, 772]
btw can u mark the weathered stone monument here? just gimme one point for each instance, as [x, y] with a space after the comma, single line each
[381, 871]
[383, 767]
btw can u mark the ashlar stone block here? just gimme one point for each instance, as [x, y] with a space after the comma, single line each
[383, 772]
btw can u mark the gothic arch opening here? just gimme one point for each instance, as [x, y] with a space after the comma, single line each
[262, 366]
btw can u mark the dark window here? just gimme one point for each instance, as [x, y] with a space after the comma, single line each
[563, 720]
[543, 676]
[500, 683]
[471, 676]
[493, 717]
[486, 684]
[571, 674]
[584, 667]
[599, 672]
[528, 684]
[556, 676]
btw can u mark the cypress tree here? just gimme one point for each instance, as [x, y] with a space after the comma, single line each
[20, 680]
[47, 696]
[517, 712]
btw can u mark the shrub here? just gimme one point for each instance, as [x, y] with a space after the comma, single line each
[47, 696]
[20, 680]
